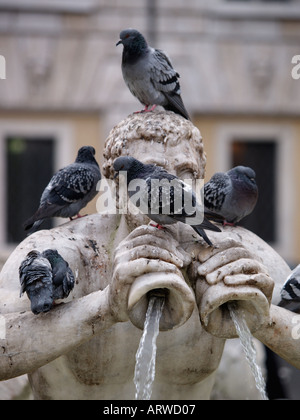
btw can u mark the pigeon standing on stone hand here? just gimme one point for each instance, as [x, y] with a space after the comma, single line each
[164, 205]
[290, 293]
[69, 190]
[149, 74]
[230, 196]
[45, 277]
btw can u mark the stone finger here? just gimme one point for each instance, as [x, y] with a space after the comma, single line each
[153, 252]
[207, 253]
[222, 258]
[242, 266]
[127, 272]
[261, 280]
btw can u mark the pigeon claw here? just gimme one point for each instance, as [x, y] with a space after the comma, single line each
[146, 109]
[78, 216]
[225, 223]
[158, 226]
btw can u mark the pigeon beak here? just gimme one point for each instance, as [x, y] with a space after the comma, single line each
[119, 42]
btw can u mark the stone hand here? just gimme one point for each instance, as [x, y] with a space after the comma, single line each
[231, 273]
[146, 250]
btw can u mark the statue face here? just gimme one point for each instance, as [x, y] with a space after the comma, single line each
[180, 159]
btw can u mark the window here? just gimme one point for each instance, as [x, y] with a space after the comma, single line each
[29, 168]
[270, 156]
[260, 156]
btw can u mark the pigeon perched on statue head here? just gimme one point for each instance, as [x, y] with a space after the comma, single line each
[230, 196]
[69, 190]
[163, 197]
[45, 277]
[290, 292]
[149, 74]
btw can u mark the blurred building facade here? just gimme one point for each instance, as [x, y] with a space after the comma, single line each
[64, 89]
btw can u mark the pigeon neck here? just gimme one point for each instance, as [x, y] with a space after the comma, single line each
[133, 172]
[87, 159]
[134, 51]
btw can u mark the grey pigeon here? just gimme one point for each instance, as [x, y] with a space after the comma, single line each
[166, 203]
[69, 190]
[62, 276]
[45, 277]
[230, 196]
[36, 280]
[290, 292]
[149, 74]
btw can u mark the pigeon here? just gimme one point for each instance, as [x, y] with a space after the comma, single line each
[230, 196]
[166, 203]
[45, 277]
[36, 280]
[62, 275]
[290, 292]
[69, 190]
[149, 74]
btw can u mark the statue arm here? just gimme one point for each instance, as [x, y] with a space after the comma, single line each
[28, 341]
[282, 334]
[231, 272]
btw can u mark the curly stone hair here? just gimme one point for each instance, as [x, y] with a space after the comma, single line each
[160, 127]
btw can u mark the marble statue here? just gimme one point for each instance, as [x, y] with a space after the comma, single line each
[84, 348]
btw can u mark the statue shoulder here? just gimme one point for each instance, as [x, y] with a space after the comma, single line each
[84, 243]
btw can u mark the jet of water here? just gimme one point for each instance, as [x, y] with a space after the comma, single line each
[144, 373]
[245, 336]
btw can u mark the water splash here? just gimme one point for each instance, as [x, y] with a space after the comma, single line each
[144, 373]
[245, 336]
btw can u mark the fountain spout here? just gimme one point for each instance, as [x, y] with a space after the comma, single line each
[215, 315]
[179, 299]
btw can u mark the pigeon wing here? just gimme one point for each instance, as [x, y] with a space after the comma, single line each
[215, 192]
[69, 185]
[165, 80]
[68, 282]
[171, 196]
[33, 271]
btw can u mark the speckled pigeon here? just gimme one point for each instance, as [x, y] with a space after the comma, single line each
[164, 197]
[69, 190]
[290, 292]
[149, 74]
[230, 196]
[45, 277]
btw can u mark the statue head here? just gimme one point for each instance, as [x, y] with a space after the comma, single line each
[163, 138]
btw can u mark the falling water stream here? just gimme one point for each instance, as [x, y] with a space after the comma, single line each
[248, 347]
[144, 373]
